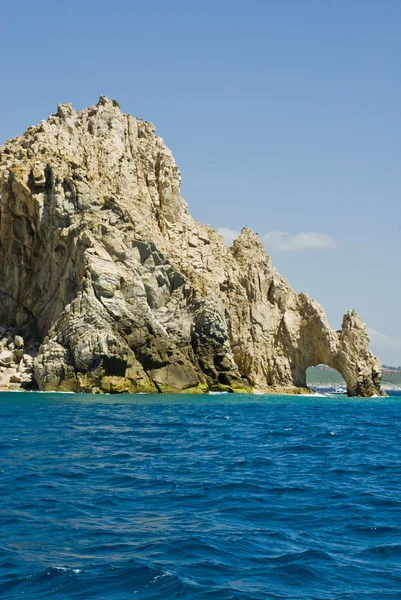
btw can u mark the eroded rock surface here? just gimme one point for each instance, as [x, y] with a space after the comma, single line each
[101, 262]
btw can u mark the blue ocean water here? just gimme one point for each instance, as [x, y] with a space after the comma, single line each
[212, 497]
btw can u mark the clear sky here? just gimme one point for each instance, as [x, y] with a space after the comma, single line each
[283, 115]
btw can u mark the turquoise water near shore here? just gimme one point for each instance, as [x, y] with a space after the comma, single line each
[219, 496]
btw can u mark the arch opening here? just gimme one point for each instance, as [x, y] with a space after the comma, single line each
[323, 378]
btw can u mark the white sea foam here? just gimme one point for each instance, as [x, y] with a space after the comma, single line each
[49, 392]
[314, 395]
[161, 576]
[63, 569]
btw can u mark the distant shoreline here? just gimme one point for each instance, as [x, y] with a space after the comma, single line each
[325, 377]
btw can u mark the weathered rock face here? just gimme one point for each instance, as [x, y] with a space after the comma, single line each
[102, 264]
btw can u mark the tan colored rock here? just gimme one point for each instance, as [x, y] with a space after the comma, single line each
[18, 342]
[102, 263]
[7, 358]
[27, 361]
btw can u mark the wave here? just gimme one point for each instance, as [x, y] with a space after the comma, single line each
[97, 581]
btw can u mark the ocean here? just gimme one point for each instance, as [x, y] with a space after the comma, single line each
[207, 497]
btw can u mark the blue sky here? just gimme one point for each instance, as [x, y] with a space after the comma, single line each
[282, 115]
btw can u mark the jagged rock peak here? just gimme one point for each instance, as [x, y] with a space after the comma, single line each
[103, 269]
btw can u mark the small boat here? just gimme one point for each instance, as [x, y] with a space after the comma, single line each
[339, 390]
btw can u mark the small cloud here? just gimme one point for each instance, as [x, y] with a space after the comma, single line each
[287, 242]
[381, 339]
[280, 241]
[228, 234]
[375, 333]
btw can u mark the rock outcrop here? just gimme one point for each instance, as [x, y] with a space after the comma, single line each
[16, 361]
[102, 266]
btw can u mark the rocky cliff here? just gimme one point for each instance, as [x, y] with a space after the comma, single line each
[113, 287]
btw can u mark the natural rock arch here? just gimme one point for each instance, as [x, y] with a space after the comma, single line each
[126, 292]
[346, 351]
[289, 332]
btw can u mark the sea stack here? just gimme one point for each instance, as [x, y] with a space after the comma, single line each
[111, 286]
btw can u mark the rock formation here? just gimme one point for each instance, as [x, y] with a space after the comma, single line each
[102, 267]
[16, 361]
